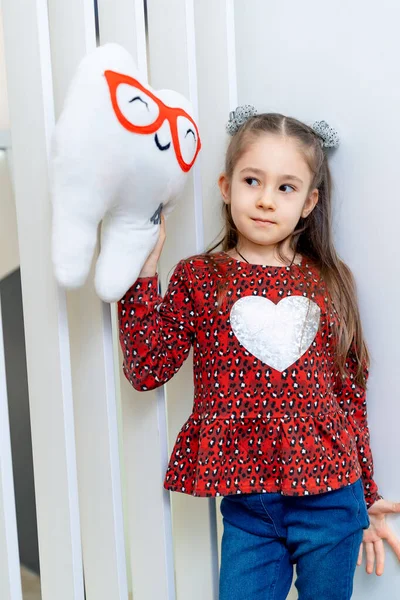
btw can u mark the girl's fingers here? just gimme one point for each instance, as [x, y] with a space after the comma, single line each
[370, 555]
[162, 225]
[379, 556]
[360, 554]
[393, 541]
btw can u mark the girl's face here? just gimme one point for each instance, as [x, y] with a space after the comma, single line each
[269, 183]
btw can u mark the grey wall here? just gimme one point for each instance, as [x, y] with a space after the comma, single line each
[20, 431]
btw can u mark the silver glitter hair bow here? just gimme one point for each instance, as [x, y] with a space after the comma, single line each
[239, 116]
[329, 137]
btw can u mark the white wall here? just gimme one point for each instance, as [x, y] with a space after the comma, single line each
[338, 62]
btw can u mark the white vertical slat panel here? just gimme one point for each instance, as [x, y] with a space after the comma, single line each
[73, 34]
[27, 52]
[215, 44]
[172, 64]
[143, 417]
[124, 22]
[10, 578]
[4, 117]
[9, 255]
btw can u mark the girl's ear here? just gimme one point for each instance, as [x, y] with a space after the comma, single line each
[223, 184]
[310, 203]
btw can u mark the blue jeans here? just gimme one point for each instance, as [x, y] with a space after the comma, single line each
[266, 533]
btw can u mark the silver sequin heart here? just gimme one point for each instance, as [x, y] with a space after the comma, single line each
[277, 334]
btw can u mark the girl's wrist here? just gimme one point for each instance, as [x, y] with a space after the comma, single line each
[147, 273]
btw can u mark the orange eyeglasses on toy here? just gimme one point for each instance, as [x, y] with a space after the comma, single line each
[151, 119]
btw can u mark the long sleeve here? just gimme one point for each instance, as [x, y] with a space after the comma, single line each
[155, 333]
[353, 401]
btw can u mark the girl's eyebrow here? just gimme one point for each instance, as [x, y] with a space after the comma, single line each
[261, 172]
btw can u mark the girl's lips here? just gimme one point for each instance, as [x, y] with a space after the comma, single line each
[263, 222]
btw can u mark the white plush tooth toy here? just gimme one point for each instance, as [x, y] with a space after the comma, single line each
[121, 154]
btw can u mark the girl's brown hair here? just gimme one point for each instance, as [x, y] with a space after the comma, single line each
[312, 236]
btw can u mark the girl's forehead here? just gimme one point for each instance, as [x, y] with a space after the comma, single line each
[274, 154]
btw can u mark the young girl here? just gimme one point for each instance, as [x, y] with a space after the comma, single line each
[279, 421]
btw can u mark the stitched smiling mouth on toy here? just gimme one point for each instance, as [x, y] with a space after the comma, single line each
[121, 155]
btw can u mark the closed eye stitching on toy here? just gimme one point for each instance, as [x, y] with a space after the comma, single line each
[141, 100]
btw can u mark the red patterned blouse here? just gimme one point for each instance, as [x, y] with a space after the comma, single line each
[269, 411]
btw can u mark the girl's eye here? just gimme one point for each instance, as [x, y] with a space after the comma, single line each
[287, 185]
[251, 179]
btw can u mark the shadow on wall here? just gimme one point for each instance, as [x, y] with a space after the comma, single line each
[20, 430]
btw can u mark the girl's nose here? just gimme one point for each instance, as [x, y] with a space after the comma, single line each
[266, 199]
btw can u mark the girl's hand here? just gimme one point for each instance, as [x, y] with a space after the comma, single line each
[375, 534]
[150, 266]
